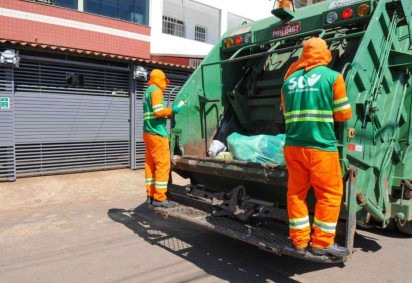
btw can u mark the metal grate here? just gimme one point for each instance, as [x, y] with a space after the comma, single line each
[70, 117]
[271, 237]
[60, 129]
[54, 158]
[7, 163]
[7, 170]
[44, 77]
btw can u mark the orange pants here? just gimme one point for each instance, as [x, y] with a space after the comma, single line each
[157, 165]
[309, 167]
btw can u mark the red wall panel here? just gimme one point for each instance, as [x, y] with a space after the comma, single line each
[50, 34]
[171, 60]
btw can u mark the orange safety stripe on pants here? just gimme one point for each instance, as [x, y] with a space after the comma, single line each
[310, 167]
[157, 165]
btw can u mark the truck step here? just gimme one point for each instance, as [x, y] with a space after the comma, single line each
[273, 241]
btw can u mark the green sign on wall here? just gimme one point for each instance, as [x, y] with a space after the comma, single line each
[4, 103]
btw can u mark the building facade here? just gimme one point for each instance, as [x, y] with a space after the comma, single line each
[71, 84]
[73, 72]
[184, 31]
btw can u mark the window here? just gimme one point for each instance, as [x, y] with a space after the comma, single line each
[72, 4]
[173, 26]
[200, 34]
[194, 63]
[43, 1]
[128, 10]
[140, 12]
[110, 8]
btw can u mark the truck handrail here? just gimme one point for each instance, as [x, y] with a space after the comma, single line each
[177, 88]
[270, 51]
[278, 40]
[345, 67]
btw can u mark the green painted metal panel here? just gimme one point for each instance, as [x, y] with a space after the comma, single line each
[237, 88]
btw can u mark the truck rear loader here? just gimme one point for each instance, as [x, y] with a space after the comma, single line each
[237, 89]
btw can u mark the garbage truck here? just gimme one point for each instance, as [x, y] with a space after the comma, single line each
[237, 89]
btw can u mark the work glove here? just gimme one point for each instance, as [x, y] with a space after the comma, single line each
[176, 109]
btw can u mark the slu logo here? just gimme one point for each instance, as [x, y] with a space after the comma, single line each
[301, 81]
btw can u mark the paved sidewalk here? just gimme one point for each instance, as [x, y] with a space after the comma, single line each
[69, 189]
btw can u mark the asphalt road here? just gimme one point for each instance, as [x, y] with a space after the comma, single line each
[95, 227]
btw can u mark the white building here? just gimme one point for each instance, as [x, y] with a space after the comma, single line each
[184, 31]
[180, 30]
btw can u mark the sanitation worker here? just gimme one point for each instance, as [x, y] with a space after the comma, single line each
[285, 4]
[155, 136]
[313, 98]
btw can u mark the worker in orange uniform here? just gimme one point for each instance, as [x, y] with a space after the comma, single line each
[313, 98]
[285, 4]
[155, 136]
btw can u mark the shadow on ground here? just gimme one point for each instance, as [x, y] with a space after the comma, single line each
[370, 243]
[218, 255]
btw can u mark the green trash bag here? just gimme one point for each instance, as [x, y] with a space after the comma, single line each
[259, 148]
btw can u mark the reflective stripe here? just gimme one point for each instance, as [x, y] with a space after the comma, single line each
[299, 223]
[307, 111]
[339, 101]
[161, 185]
[308, 119]
[327, 227]
[309, 116]
[150, 181]
[148, 116]
[341, 104]
[157, 107]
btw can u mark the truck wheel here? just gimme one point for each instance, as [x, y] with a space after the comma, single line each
[404, 226]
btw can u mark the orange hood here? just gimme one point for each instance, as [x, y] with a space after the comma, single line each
[157, 77]
[315, 53]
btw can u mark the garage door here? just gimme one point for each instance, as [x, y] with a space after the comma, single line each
[7, 164]
[70, 117]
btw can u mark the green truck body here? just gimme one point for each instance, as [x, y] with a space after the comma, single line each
[237, 89]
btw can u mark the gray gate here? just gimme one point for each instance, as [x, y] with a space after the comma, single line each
[70, 117]
[7, 163]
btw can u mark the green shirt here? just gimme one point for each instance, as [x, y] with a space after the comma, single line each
[308, 102]
[152, 124]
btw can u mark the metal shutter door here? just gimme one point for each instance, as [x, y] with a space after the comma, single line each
[63, 129]
[7, 165]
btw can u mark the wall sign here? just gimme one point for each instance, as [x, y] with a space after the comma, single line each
[4, 103]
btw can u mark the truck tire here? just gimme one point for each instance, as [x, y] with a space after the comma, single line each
[405, 226]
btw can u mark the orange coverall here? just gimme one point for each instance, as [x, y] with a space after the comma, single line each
[157, 157]
[313, 167]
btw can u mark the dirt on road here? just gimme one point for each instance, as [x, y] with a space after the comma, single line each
[95, 227]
